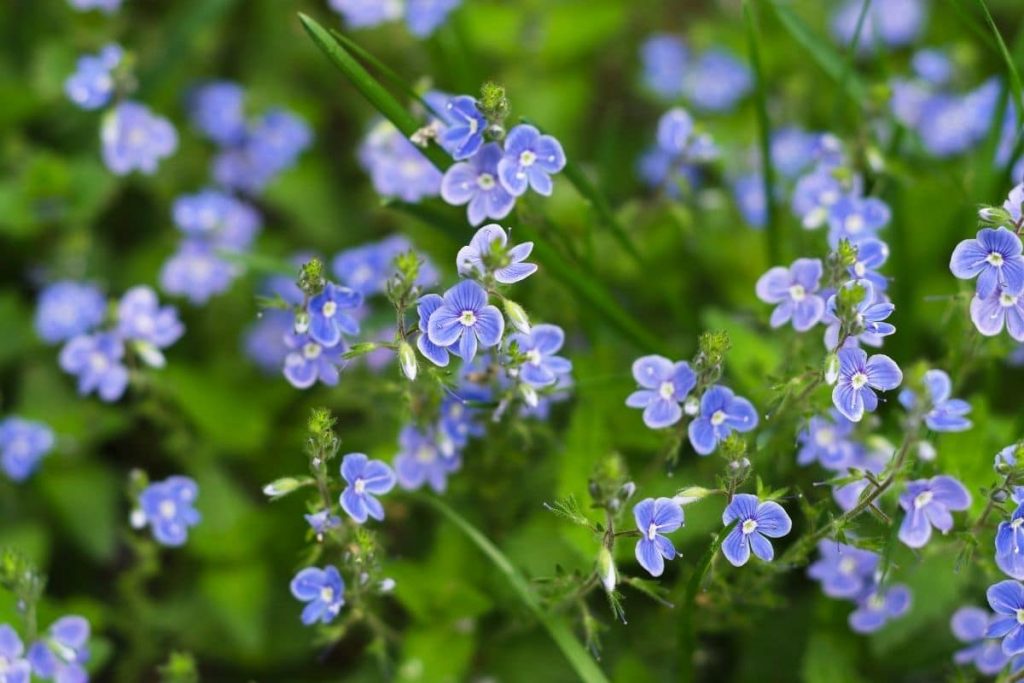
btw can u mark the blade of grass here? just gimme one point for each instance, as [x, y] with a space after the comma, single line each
[1011, 68]
[589, 192]
[774, 228]
[850, 58]
[581, 662]
[688, 625]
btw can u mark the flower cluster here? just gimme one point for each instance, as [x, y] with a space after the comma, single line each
[168, 508]
[792, 151]
[98, 350]
[714, 81]
[422, 17]
[849, 573]
[675, 161]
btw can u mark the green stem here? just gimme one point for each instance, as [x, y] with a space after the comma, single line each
[589, 192]
[688, 625]
[1011, 69]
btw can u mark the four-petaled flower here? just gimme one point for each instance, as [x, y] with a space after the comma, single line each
[464, 316]
[878, 607]
[135, 139]
[843, 570]
[944, 414]
[168, 507]
[664, 386]
[327, 317]
[323, 590]
[994, 257]
[721, 413]
[654, 519]
[929, 502]
[308, 361]
[420, 461]
[756, 522]
[22, 444]
[1000, 308]
[859, 377]
[62, 652]
[323, 521]
[530, 160]
[794, 290]
[542, 367]
[96, 359]
[486, 254]
[475, 182]
[1007, 600]
[365, 478]
[826, 440]
[969, 625]
[141, 318]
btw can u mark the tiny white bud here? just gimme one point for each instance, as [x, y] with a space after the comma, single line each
[301, 322]
[831, 369]
[815, 218]
[282, 487]
[874, 158]
[150, 354]
[926, 451]
[407, 360]
[386, 585]
[691, 494]
[606, 569]
[529, 395]
[691, 406]
[137, 519]
[517, 316]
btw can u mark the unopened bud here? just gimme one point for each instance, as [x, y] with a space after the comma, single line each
[137, 519]
[691, 406]
[529, 395]
[832, 369]
[606, 569]
[150, 354]
[407, 360]
[517, 316]
[301, 322]
[994, 216]
[282, 487]
[926, 451]
[691, 494]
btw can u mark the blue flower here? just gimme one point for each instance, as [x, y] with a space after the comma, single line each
[105, 6]
[1007, 600]
[664, 58]
[932, 65]
[23, 443]
[793, 150]
[323, 521]
[61, 653]
[928, 503]
[168, 507]
[868, 460]
[365, 478]
[969, 625]
[871, 255]
[894, 23]
[944, 414]
[225, 221]
[141, 318]
[843, 571]
[463, 136]
[420, 461]
[542, 367]
[654, 519]
[277, 138]
[478, 258]
[748, 193]
[327, 317]
[67, 309]
[264, 340]
[97, 360]
[990, 314]
[308, 361]
[92, 84]
[870, 315]
[675, 128]
[529, 161]
[396, 166]
[859, 378]
[134, 139]
[196, 272]
[423, 17]
[459, 419]
[438, 355]
[716, 81]
[16, 669]
[994, 257]
[856, 218]
[756, 522]
[826, 440]
[465, 317]
[794, 290]
[323, 590]
[721, 413]
[475, 182]
[814, 195]
[878, 607]
[217, 110]
[1010, 542]
[664, 385]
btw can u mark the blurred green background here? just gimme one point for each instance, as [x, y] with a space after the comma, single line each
[572, 66]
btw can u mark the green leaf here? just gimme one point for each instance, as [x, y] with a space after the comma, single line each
[581, 661]
[1011, 68]
[85, 499]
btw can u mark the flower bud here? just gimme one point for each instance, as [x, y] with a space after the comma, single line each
[606, 569]
[517, 316]
[150, 354]
[529, 395]
[994, 216]
[691, 406]
[926, 451]
[407, 360]
[137, 519]
[832, 369]
[282, 487]
[301, 322]
[691, 494]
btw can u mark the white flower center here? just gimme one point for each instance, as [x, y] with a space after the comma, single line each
[468, 318]
[1007, 300]
[327, 594]
[854, 224]
[98, 362]
[533, 357]
[995, 258]
[359, 486]
[923, 499]
[1016, 524]
[718, 417]
[667, 390]
[485, 181]
[168, 509]
[824, 437]
[749, 526]
[329, 309]
[652, 531]
[847, 565]
[858, 380]
[1020, 616]
[311, 351]
[425, 453]
[797, 292]
[859, 269]
[527, 158]
[876, 602]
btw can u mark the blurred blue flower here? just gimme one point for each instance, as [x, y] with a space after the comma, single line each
[67, 309]
[107, 6]
[843, 571]
[217, 110]
[655, 518]
[826, 440]
[323, 590]
[893, 23]
[419, 461]
[327, 318]
[928, 503]
[529, 161]
[196, 272]
[932, 66]
[944, 414]
[323, 521]
[542, 367]
[794, 289]
[793, 150]
[226, 222]
[168, 507]
[1006, 599]
[463, 136]
[716, 81]
[871, 255]
[859, 378]
[61, 653]
[423, 17]
[97, 361]
[878, 607]
[856, 219]
[664, 386]
[134, 139]
[264, 340]
[969, 625]
[664, 59]
[814, 195]
[459, 419]
[397, 168]
[475, 182]
[479, 257]
[272, 144]
[756, 522]
[141, 318]
[308, 361]
[721, 413]
[23, 443]
[994, 257]
[1010, 538]
[748, 193]
[92, 84]
[365, 479]
[16, 669]
[464, 317]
